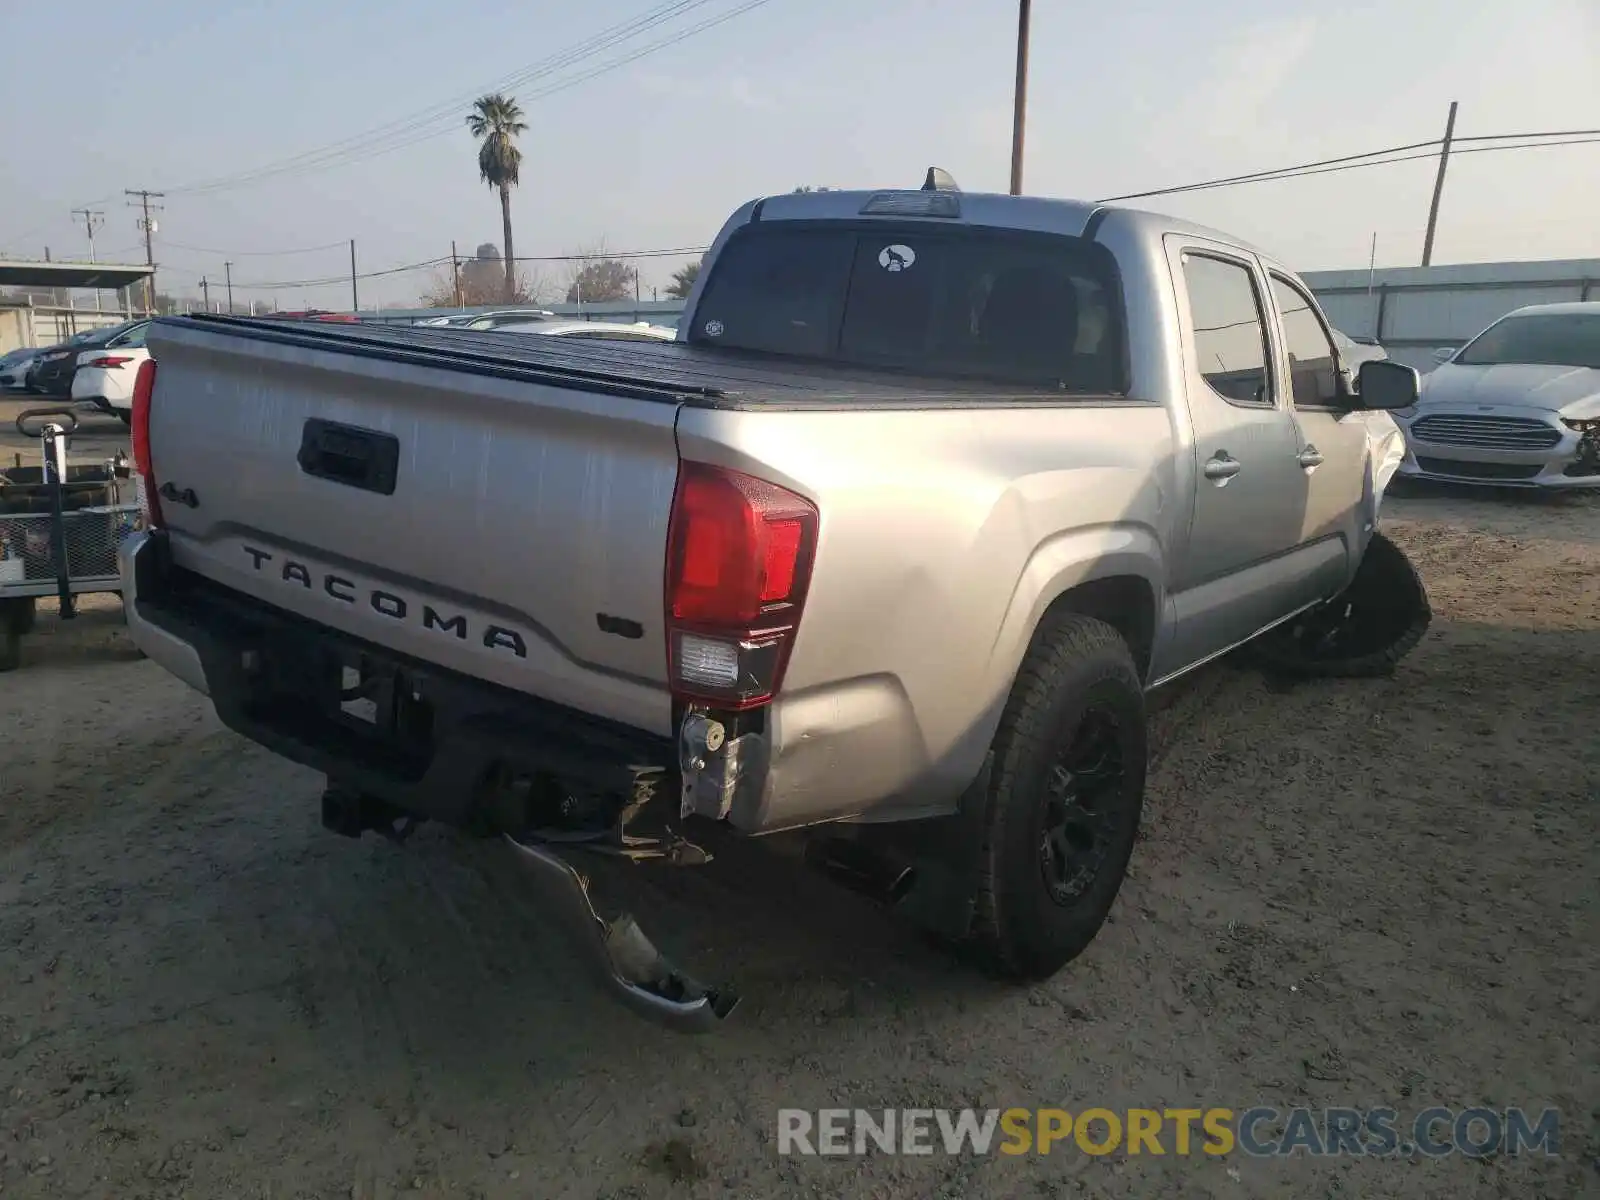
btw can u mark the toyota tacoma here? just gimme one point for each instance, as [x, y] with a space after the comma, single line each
[887, 548]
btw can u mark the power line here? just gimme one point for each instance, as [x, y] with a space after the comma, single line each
[451, 109]
[1258, 176]
[342, 278]
[603, 255]
[1554, 133]
[1353, 162]
[378, 150]
[253, 253]
[411, 131]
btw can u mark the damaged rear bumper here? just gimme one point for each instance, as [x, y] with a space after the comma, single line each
[273, 678]
[617, 953]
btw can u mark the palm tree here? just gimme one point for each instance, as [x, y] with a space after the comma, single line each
[496, 120]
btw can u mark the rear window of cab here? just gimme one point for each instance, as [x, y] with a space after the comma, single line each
[1036, 310]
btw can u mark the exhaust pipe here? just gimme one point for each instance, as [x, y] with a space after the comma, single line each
[619, 955]
[873, 873]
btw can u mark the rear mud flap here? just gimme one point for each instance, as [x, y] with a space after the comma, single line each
[619, 955]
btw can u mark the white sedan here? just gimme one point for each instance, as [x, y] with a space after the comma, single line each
[105, 374]
[14, 369]
[607, 330]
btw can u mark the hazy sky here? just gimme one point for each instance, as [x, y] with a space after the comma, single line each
[849, 93]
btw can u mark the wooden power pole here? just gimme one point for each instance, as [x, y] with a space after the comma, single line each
[1019, 101]
[1438, 186]
[147, 224]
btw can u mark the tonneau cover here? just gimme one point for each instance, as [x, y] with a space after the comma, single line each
[674, 372]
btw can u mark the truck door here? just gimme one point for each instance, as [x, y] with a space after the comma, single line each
[1332, 439]
[1238, 572]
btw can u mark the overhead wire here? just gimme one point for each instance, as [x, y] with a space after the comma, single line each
[1352, 162]
[450, 110]
[255, 253]
[1489, 143]
[422, 128]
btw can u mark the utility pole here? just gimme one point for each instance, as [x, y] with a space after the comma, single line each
[205, 293]
[147, 223]
[1372, 272]
[1020, 97]
[92, 220]
[355, 301]
[227, 273]
[455, 272]
[1438, 185]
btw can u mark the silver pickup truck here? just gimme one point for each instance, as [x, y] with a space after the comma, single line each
[887, 548]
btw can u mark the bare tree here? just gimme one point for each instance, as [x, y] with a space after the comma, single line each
[596, 277]
[481, 290]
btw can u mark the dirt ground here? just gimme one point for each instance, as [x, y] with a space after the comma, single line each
[1355, 893]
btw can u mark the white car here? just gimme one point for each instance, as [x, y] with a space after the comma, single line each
[105, 374]
[14, 369]
[1517, 406]
[490, 320]
[643, 331]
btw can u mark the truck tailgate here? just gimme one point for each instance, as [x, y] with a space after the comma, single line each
[519, 535]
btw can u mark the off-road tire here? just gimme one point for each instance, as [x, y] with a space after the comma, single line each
[1388, 605]
[1077, 669]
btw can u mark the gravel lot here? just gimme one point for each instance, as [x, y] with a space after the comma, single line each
[1364, 893]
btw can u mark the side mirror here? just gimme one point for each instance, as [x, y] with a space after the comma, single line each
[1444, 354]
[1385, 384]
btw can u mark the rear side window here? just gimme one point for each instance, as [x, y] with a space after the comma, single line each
[1043, 311]
[1230, 331]
[1313, 364]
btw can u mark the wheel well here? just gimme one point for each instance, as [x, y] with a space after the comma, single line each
[1124, 602]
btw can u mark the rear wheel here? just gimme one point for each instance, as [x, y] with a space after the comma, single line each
[1064, 799]
[1361, 633]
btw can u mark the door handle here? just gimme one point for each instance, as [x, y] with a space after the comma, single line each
[1310, 457]
[1220, 468]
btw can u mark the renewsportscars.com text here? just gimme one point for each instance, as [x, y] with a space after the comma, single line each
[1260, 1132]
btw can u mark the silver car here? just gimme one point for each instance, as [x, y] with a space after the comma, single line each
[1517, 406]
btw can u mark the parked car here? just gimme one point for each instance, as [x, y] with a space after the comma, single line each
[14, 368]
[886, 553]
[1355, 351]
[1517, 406]
[489, 320]
[105, 376]
[641, 331]
[52, 373]
[311, 314]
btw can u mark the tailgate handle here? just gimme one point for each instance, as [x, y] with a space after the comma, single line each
[360, 458]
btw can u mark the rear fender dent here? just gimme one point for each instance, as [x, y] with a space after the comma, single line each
[1071, 560]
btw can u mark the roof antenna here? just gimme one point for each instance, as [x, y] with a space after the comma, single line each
[939, 180]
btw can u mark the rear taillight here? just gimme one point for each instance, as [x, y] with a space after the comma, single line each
[144, 385]
[739, 552]
[111, 360]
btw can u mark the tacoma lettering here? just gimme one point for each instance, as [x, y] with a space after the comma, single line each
[388, 604]
[432, 620]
